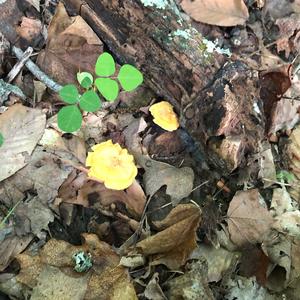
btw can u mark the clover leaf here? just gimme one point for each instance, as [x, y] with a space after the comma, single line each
[90, 101]
[108, 88]
[130, 77]
[105, 65]
[69, 118]
[85, 79]
[69, 94]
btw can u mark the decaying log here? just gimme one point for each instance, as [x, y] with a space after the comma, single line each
[218, 102]
[221, 110]
[155, 38]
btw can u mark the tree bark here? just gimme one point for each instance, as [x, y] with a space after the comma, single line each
[156, 39]
[216, 108]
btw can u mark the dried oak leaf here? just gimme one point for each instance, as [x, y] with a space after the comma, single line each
[22, 127]
[248, 218]
[105, 280]
[71, 46]
[217, 12]
[176, 238]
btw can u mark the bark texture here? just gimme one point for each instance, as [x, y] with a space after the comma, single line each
[219, 105]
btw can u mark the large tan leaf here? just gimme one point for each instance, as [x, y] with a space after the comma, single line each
[51, 276]
[22, 127]
[248, 218]
[217, 12]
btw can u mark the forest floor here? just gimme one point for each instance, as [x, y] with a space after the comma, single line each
[82, 219]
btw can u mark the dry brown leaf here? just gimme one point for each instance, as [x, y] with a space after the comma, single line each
[219, 260]
[51, 272]
[29, 29]
[11, 247]
[92, 192]
[153, 290]
[22, 127]
[176, 238]
[217, 12]
[292, 154]
[289, 40]
[71, 46]
[179, 181]
[54, 284]
[248, 218]
[191, 285]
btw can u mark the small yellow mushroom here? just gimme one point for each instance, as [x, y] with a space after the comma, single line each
[111, 164]
[164, 115]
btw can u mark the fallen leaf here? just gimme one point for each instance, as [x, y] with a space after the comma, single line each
[217, 12]
[153, 290]
[277, 8]
[218, 260]
[288, 223]
[131, 134]
[22, 127]
[248, 218]
[240, 287]
[292, 154]
[11, 247]
[51, 272]
[282, 202]
[55, 284]
[35, 4]
[176, 238]
[267, 170]
[289, 31]
[38, 214]
[71, 46]
[29, 29]
[254, 262]
[278, 249]
[274, 84]
[179, 181]
[93, 194]
[191, 285]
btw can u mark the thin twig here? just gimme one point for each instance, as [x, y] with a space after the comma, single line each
[19, 65]
[37, 72]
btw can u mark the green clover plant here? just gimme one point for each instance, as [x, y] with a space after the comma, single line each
[70, 117]
[1, 139]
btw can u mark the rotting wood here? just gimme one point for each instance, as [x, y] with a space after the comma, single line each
[169, 52]
[220, 110]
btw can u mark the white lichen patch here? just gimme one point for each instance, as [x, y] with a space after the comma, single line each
[182, 33]
[160, 4]
[212, 47]
[256, 108]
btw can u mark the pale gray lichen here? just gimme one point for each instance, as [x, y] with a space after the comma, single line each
[211, 47]
[182, 33]
[160, 4]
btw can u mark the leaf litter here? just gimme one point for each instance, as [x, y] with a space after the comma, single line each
[155, 239]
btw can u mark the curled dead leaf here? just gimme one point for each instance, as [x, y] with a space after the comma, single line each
[176, 238]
